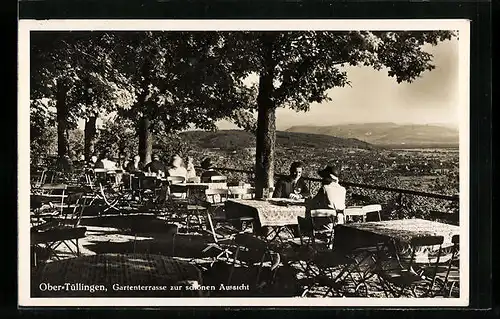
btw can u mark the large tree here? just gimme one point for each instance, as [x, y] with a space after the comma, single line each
[178, 81]
[71, 72]
[296, 69]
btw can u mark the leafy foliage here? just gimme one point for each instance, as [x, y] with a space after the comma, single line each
[117, 137]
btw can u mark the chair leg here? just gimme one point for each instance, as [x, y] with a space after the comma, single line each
[232, 268]
[173, 245]
[260, 270]
[135, 241]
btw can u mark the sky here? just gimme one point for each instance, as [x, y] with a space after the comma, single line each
[375, 97]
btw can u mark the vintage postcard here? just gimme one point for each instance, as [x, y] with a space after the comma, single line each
[243, 163]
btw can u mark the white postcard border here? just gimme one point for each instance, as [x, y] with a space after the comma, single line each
[26, 26]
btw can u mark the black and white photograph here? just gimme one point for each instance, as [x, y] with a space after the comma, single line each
[243, 163]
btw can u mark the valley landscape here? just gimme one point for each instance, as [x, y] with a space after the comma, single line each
[428, 161]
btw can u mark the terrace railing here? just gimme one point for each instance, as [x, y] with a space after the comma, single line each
[396, 203]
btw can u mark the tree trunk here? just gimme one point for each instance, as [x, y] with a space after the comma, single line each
[266, 125]
[62, 119]
[145, 140]
[90, 137]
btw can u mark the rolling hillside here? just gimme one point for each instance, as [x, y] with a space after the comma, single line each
[238, 139]
[390, 134]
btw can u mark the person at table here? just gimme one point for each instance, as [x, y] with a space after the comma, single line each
[207, 165]
[176, 167]
[331, 195]
[64, 164]
[155, 166]
[191, 172]
[134, 166]
[104, 162]
[93, 160]
[292, 186]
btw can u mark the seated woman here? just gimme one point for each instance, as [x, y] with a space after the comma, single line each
[176, 167]
[331, 195]
[206, 164]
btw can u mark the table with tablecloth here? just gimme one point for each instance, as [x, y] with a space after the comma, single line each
[269, 212]
[120, 275]
[399, 232]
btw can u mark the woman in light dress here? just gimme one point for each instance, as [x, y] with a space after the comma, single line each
[191, 172]
[177, 167]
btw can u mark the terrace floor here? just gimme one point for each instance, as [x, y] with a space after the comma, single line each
[109, 235]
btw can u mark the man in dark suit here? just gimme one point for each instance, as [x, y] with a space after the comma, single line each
[206, 164]
[292, 186]
[155, 165]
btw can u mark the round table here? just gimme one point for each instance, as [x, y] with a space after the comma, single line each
[117, 275]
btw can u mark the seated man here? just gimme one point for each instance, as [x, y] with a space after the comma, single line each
[206, 164]
[293, 186]
[134, 166]
[155, 165]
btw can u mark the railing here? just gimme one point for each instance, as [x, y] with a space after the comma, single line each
[396, 203]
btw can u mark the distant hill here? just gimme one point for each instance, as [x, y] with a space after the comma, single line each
[238, 139]
[388, 134]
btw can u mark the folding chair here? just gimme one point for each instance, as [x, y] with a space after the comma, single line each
[406, 273]
[448, 273]
[65, 231]
[217, 223]
[242, 192]
[326, 267]
[251, 251]
[188, 204]
[39, 179]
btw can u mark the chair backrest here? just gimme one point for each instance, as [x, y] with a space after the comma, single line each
[372, 208]
[216, 195]
[194, 179]
[416, 245]
[177, 191]
[427, 241]
[251, 242]
[306, 231]
[148, 182]
[243, 192]
[79, 199]
[255, 251]
[176, 179]
[218, 179]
